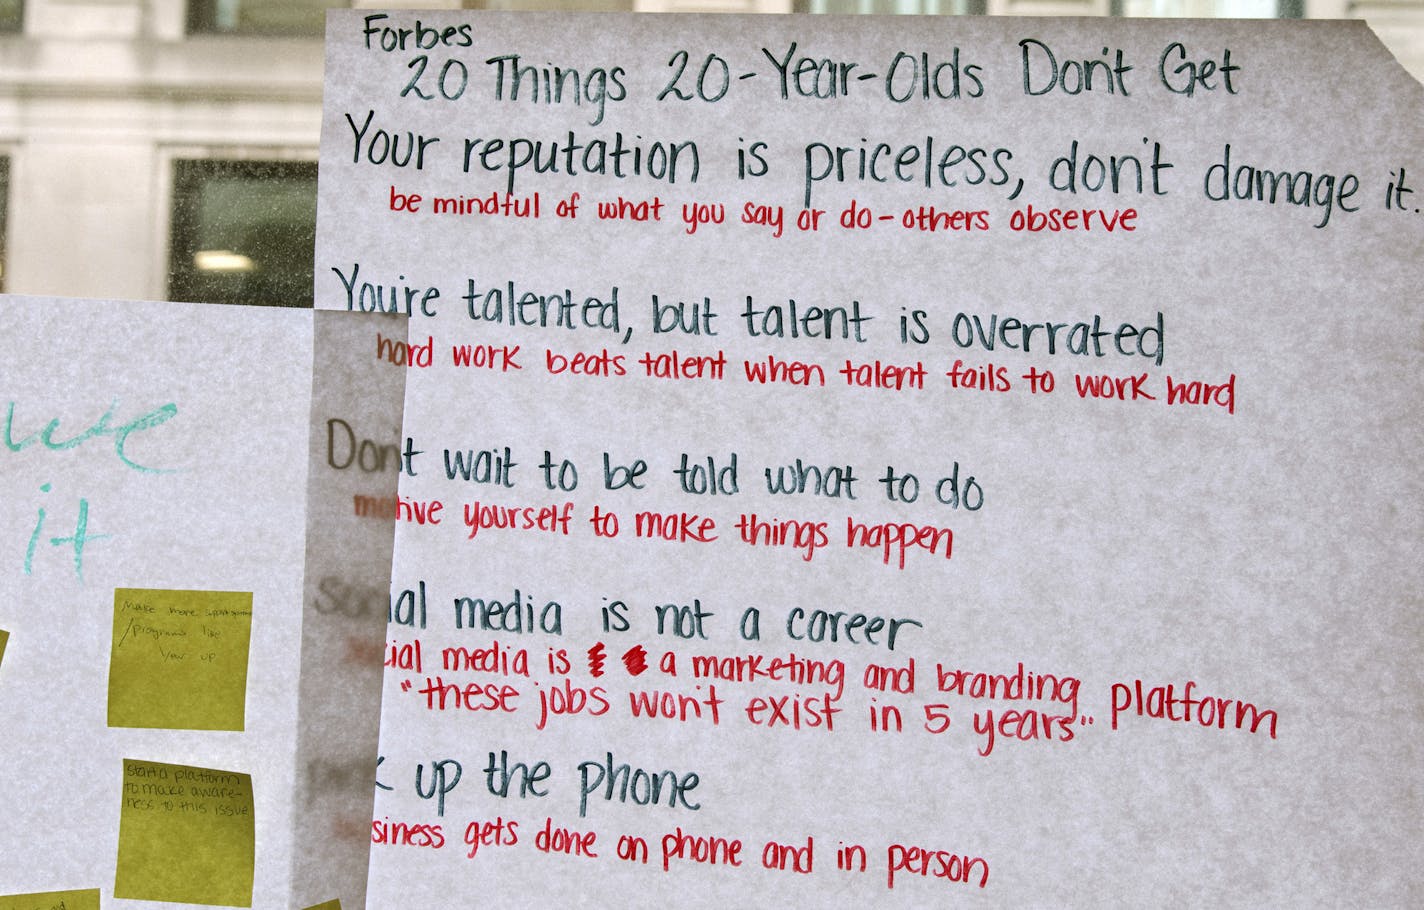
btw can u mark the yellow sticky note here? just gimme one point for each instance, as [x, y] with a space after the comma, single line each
[4, 639]
[325, 905]
[50, 900]
[186, 835]
[179, 659]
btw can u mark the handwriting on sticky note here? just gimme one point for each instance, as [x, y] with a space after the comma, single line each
[179, 659]
[52, 900]
[186, 834]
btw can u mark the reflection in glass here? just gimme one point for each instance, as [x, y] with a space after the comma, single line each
[259, 17]
[1211, 9]
[905, 7]
[243, 232]
[4, 213]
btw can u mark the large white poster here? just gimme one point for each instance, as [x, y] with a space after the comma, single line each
[888, 463]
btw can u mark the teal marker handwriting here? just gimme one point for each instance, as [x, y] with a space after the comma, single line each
[79, 539]
[101, 428]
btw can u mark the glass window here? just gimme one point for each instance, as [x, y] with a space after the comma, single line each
[550, 5]
[1211, 9]
[4, 213]
[297, 18]
[243, 232]
[908, 7]
[11, 15]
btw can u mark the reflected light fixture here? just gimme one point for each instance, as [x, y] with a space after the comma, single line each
[222, 261]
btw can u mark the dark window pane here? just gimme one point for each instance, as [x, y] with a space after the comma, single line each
[243, 232]
[259, 17]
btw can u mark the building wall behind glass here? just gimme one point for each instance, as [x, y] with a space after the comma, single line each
[126, 124]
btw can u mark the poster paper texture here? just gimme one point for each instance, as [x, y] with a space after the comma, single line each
[159, 468]
[890, 462]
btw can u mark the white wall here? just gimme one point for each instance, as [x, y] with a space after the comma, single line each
[96, 99]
